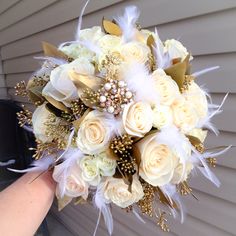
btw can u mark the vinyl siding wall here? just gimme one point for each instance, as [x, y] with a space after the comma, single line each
[206, 27]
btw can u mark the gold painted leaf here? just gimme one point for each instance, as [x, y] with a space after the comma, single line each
[150, 42]
[57, 104]
[52, 51]
[178, 72]
[111, 27]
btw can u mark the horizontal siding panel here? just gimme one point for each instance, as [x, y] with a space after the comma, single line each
[220, 80]
[3, 93]
[208, 206]
[6, 4]
[205, 34]
[55, 14]
[148, 9]
[2, 81]
[73, 216]
[227, 189]
[21, 10]
[22, 64]
[12, 79]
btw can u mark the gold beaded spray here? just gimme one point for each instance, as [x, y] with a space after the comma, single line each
[24, 117]
[122, 147]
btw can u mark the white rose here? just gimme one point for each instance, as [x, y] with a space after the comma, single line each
[179, 176]
[162, 116]
[198, 133]
[135, 51]
[91, 34]
[184, 116]
[76, 50]
[157, 161]
[196, 96]
[75, 186]
[109, 43]
[90, 170]
[61, 87]
[137, 118]
[94, 133]
[116, 191]
[106, 165]
[166, 87]
[175, 49]
[40, 116]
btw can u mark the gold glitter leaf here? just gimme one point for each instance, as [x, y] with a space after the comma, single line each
[51, 51]
[178, 72]
[57, 104]
[111, 27]
[78, 122]
[196, 143]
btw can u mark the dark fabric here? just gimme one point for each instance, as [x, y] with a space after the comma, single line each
[14, 140]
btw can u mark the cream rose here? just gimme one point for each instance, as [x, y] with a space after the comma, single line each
[76, 50]
[116, 191]
[135, 51]
[157, 161]
[109, 43]
[166, 87]
[90, 170]
[94, 133]
[40, 116]
[180, 174]
[196, 96]
[137, 118]
[184, 116]
[75, 186]
[162, 116]
[175, 49]
[106, 165]
[61, 87]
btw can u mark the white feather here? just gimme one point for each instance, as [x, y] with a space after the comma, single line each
[42, 164]
[202, 72]
[104, 208]
[127, 23]
[80, 21]
[62, 170]
[162, 58]
[7, 163]
[141, 83]
[171, 193]
[205, 170]
[206, 122]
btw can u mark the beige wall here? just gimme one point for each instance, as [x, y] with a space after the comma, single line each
[207, 27]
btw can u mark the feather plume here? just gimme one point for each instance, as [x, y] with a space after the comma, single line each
[162, 59]
[80, 21]
[104, 208]
[202, 72]
[140, 82]
[42, 164]
[206, 123]
[7, 163]
[62, 170]
[171, 193]
[127, 23]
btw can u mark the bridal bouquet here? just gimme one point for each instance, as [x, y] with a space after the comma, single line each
[120, 119]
